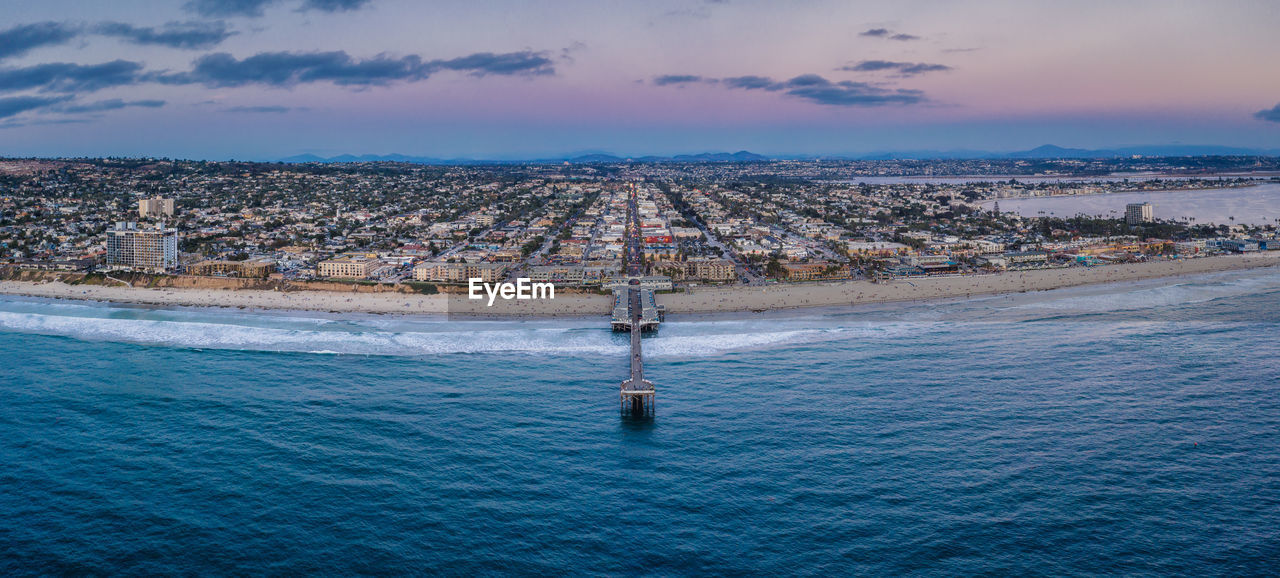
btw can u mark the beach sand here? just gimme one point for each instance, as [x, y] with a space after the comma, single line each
[858, 292]
[700, 300]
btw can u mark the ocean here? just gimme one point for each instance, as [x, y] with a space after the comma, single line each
[1123, 429]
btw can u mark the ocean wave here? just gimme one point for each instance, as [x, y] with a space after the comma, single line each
[319, 336]
[411, 336]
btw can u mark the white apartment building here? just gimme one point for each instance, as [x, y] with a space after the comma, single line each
[152, 250]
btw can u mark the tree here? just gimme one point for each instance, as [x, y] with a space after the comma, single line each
[775, 269]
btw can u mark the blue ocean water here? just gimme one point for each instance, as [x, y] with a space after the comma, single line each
[1128, 429]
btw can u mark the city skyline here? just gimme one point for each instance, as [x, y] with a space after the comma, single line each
[265, 79]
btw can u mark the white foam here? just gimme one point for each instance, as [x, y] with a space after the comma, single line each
[202, 329]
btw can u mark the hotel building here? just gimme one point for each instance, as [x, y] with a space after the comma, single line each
[152, 250]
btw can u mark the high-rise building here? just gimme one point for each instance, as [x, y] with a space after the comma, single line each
[156, 207]
[1135, 213]
[152, 250]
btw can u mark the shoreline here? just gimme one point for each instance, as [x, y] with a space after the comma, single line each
[1255, 182]
[702, 300]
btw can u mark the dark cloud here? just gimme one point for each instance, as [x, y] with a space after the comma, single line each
[902, 68]
[16, 105]
[292, 68]
[886, 33]
[811, 87]
[255, 8]
[1271, 114]
[334, 5]
[260, 109]
[485, 63]
[189, 35]
[670, 79]
[19, 40]
[817, 89]
[223, 8]
[288, 68]
[111, 104]
[69, 77]
[751, 83]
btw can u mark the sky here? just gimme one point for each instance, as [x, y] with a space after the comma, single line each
[267, 79]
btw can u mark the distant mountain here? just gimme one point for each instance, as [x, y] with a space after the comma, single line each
[595, 158]
[1057, 152]
[738, 157]
[1047, 151]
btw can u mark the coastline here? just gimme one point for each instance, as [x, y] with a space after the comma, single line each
[700, 300]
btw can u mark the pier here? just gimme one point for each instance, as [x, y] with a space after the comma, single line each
[635, 309]
[637, 392]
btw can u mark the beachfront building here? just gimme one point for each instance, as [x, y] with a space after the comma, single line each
[1026, 259]
[152, 250]
[1135, 213]
[711, 270]
[257, 268]
[459, 272]
[157, 207]
[813, 271]
[350, 266]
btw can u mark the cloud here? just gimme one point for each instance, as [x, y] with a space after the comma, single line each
[670, 79]
[334, 5]
[751, 83]
[255, 8]
[260, 109]
[811, 87]
[16, 105]
[223, 8]
[284, 69]
[819, 90]
[69, 77]
[566, 53]
[111, 104]
[289, 68]
[886, 33]
[902, 68]
[485, 63]
[1271, 114]
[188, 35]
[19, 40]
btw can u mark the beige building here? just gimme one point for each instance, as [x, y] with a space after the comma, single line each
[353, 266]
[1135, 213]
[459, 272]
[155, 208]
[261, 269]
[712, 270]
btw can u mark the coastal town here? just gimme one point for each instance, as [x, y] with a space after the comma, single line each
[702, 224]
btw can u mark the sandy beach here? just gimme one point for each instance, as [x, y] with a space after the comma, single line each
[859, 292]
[700, 300]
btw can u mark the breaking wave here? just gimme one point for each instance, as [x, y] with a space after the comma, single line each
[410, 336]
